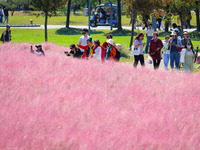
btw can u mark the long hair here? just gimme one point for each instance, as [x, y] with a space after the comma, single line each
[138, 36]
[97, 42]
[190, 44]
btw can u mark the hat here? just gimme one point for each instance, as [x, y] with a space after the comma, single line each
[173, 33]
[185, 32]
[38, 45]
[110, 41]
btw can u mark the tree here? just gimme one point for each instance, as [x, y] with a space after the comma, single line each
[119, 14]
[48, 7]
[197, 14]
[68, 13]
[14, 4]
[181, 7]
[140, 7]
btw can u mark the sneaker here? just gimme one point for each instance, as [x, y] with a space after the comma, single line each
[171, 70]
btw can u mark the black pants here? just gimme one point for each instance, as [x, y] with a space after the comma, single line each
[156, 63]
[159, 23]
[138, 58]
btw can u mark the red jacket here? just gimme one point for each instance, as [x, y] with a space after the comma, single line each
[86, 47]
[153, 46]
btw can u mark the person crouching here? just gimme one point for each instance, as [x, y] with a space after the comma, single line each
[39, 50]
[111, 51]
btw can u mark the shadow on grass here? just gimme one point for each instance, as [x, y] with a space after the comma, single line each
[122, 32]
[73, 31]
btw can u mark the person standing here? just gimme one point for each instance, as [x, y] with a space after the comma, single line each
[166, 52]
[185, 39]
[1, 15]
[187, 57]
[138, 43]
[7, 34]
[83, 39]
[174, 54]
[155, 50]
[6, 15]
[149, 33]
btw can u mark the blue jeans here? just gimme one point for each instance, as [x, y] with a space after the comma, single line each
[6, 19]
[174, 57]
[147, 44]
[1, 18]
[166, 60]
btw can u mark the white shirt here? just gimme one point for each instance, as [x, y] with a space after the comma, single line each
[83, 41]
[37, 53]
[97, 53]
[165, 47]
[150, 32]
[2, 12]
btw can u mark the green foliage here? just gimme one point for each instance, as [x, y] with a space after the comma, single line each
[48, 6]
[13, 4]
[195, 34]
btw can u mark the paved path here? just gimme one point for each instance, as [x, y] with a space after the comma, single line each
[81, 27]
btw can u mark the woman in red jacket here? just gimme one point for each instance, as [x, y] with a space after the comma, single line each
[155, 50]
[88, 49]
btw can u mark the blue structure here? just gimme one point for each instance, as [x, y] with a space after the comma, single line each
[105, 20]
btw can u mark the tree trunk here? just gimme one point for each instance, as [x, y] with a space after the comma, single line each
[119, 15]
[45, 26]
[181, 32]
[99, 2]
[132, 30]
[197, 18]
[167, 20]
[68, 14]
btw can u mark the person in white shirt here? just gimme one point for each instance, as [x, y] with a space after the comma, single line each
[149, 33]
[166, 52]
[39, 50]
[97, 50]
[83, 39]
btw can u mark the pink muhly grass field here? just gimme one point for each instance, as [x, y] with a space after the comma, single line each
[53, 102]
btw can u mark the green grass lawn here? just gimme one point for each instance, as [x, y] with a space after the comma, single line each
[24, 18]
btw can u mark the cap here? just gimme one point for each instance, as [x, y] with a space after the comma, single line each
[38, 45]
[110, 41]
[173, 33]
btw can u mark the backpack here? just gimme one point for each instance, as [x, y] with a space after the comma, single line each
[118, 55]
[8, 33]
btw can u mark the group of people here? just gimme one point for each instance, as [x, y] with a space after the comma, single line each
[4, 14]
[86, 49]
[176, 50]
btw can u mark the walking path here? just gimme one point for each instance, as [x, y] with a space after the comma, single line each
[81, 27]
